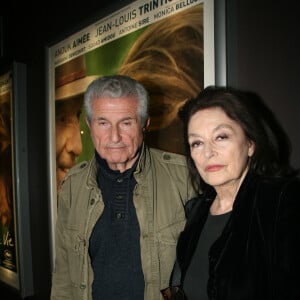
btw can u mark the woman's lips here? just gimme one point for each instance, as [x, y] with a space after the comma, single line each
[213, 168]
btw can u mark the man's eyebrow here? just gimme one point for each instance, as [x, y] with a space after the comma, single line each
[128, 118]
[123, 119]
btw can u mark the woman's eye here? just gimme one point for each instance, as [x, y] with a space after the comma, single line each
[195, 144]
[221, 137]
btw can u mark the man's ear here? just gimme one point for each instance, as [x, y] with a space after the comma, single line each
[147, 124]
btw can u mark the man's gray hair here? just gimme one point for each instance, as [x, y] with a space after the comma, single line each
[117, 86]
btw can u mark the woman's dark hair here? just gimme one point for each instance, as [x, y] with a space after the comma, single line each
[272, 146]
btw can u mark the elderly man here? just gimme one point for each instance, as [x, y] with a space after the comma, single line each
[119, 214]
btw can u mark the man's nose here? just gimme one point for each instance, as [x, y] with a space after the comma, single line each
[115, 134]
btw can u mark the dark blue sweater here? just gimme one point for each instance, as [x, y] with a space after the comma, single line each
[115, 240]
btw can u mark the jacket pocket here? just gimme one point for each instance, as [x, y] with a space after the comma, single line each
[76, 249]
[167, 242]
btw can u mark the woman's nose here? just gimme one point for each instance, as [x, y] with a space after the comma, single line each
[209, 150]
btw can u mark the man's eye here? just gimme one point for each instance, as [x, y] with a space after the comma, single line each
[126, 123]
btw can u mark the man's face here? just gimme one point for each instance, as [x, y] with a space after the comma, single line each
[68, 139]
[116, 131]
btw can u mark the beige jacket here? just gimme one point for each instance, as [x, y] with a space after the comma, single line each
[161, 191]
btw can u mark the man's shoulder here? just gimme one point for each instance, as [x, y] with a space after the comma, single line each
[168, 157]
[78, 169]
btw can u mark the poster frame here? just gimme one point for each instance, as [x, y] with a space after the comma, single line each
[20, 281]
[215, 16]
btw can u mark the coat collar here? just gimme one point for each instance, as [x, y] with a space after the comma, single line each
[198, 210]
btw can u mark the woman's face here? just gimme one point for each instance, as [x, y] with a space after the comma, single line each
[219, 147]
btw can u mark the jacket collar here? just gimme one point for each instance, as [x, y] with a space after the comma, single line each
[143, 166]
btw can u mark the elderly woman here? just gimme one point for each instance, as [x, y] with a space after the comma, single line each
[241, 239]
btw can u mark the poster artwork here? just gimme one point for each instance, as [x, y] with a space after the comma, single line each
[7, 233]
[159, 43]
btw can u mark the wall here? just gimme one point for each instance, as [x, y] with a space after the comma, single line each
[263, 56]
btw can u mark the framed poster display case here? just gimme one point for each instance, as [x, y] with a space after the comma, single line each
[15, 241]
[175, 48]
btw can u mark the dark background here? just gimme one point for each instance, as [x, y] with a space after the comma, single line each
[263, 46]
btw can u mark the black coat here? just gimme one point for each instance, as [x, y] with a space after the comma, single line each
[257, 255]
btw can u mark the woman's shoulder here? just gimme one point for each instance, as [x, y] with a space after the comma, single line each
[195, 204]
[279, 183]
[279, 191]
[190, 204]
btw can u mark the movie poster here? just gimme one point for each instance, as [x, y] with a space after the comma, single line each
[163, 44]
[7, 218]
